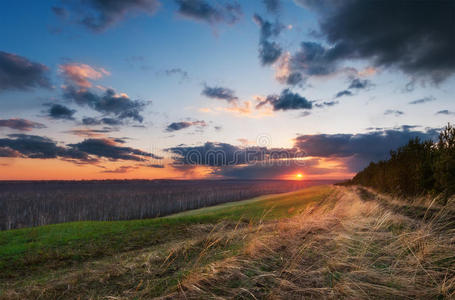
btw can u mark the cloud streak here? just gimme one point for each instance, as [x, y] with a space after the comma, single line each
[21, 124]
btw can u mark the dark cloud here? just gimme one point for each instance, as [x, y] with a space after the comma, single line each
[269, 51]
[210, 11]
[326, 103]
[445, 112]
[272, 6]
[423, 100]
[119, 105]
[88, 151]
[108, 148]
[175, 126]
[357, 148]
[294, 78]
[287, 100]
[58, 111]
[359, 84]
[32, 146]
[106, 121]
[417, 37]
[219, 93]
[313, 59]
[156, 166]
[98, 15]
[394, 112]
[111, 121]
[21, 124]
[223, 154]
[343, 93]
[19, 73]
[121, 169]
[356, 84]
[91, 121]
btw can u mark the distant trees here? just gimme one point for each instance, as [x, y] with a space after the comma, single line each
[417, 168]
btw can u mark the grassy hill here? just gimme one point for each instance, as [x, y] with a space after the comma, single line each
[319, 242]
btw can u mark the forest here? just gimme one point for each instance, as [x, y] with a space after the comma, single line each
[417, 168]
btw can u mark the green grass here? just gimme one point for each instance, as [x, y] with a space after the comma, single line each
[25, 251]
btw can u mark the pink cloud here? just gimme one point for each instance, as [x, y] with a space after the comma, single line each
[80, 74]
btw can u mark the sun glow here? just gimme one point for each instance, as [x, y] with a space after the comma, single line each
[299, 176]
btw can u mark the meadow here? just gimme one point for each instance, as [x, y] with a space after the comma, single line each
[319, 242]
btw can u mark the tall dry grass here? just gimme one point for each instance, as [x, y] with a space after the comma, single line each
[344, 248]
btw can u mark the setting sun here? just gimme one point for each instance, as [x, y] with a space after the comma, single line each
[299, 176]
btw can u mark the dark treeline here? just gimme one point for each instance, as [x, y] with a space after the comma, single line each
[26, 204]
[418, 168]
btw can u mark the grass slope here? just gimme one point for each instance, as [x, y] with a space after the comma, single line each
[319, 243]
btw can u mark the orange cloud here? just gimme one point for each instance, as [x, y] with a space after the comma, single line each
[80, 74]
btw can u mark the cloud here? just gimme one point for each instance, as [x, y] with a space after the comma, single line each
[326, 103]
[121, 169]
[272, 6]
[98, 15]
[79, 74]
[219, 93]
[58, 111]
[210, 11]
[359, 84]
[287, 101]
[119, 105]
[356, 84]
[108, 148]
[19, 73]
[87, 151]
[343, 93]
[223, 154]
[106, 121]
[87, 132]
[21, 124]
[423, 100]
[357, 149]
[416, 37]
[394, 112]
[32, 146]
[177, 71]
[445, 112]
[175, 126]
[269, 51]
[284, 72]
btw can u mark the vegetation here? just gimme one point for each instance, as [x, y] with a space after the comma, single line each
[26, 204]
[321, 242]
[420, 167]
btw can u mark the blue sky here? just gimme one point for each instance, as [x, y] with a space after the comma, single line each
[165, 59]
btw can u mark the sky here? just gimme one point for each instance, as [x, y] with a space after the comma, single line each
[185, 89]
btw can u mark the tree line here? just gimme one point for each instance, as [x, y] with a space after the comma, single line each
[417, 168]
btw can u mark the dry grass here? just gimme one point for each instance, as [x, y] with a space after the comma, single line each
[351, 245]
[355, 250]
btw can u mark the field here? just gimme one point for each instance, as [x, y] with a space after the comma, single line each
[36, 203]
[319, 242]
